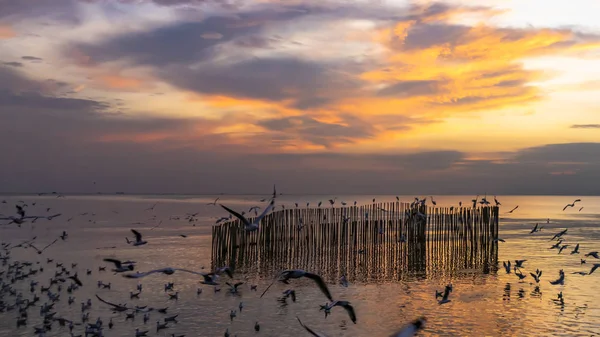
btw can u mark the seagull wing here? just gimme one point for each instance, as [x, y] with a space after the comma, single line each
[32, 246]
[320, 283]
[270, 285]
[265, 211]
[76, 279]
[53, 242]
[309, 329]
[596, 266]
[189, 271]
[350, 311]
[117, 263]
[138, 235]
[111, 304]
[237, 215]
[138, 274]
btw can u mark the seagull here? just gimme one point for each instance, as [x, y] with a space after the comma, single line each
[316, 334]
[576, 250]
[250, 226]
[139, 333]
[116, 307]
[594, 254]
[514, 209]
[569, 205]
[166, 271]
[160, 326]
[233, 287]
[344, 281]
[560, 280]
[447, 292]
[557, 244]
[138, 239]
[289, 293]
[411, 329]
[152, 208]
[596, 266]
[559, 235]
[537, 275]
[42, 250]
[75, 279]
[519, 274]
[295, 274]
[433, 201]
[496, 201]
[561, 248]
[519, 263]
[344, 304]
[506, 266]
[120, 268]
[214, 203]
[535, 229]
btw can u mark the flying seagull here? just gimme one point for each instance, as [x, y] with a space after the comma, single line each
[119, 266]
[297, 273]
[250, 226]
[166, 271]
[138, 239]
[411, 329]
[344, 304]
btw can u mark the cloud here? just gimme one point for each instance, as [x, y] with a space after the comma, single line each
[31, 58]
[187, 42]
[319, 133]
[13, 64]
[6, 32]
[585, 126]
[71, 141]
[303, 84]
[413, 88]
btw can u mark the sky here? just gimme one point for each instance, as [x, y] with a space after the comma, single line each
[328, 97]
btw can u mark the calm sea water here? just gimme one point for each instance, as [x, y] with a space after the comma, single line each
[495, 304]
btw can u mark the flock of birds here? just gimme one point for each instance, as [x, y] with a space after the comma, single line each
[16, 275]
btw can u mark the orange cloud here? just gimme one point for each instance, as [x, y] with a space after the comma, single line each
[6, 32]
[116, 81]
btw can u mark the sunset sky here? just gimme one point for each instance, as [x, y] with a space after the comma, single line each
[330, 96]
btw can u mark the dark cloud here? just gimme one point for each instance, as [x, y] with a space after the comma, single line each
[305, 84]
[575, 153]
[31, 58]
[309, 129]
[424, 35]
[413, 88]
[60, 10]
[13, 64]
[585, 126]
[182, 43]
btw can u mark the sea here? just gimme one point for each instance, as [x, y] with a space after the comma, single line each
[492, 304]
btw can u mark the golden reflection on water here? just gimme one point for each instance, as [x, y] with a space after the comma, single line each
[482, 304]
